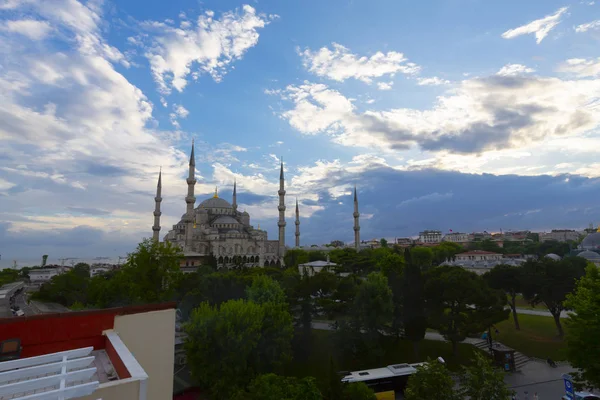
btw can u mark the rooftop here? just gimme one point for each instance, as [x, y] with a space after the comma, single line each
[377, 373]
[478, 252]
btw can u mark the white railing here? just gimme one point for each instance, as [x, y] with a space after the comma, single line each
[46, 377]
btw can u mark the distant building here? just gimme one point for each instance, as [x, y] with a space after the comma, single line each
[404, 242]
[430, 236]
[38, 277]
[456, 237]
[479, 236]
[124, 353]
[478, 255]
[560, 235]
[314, 267]
[98, 270]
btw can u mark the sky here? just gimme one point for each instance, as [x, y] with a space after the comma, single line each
[447, 114]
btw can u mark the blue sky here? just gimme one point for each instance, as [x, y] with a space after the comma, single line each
[447, 114]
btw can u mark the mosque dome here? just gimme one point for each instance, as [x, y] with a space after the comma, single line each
[591, 241]
[553, 256]
[589, 255]
[215, 202]
[226, 219]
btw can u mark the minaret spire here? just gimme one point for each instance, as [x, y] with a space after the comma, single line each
[157, 213]
[281, 208]
[356, 225]
[234, 204]
[297, 225]
[190, 199]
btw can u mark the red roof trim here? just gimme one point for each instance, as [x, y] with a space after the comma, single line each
[114, 311]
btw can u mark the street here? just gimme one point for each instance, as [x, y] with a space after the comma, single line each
[21, 302]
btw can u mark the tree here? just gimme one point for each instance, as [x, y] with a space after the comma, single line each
[486, 245]
[392, 265]
[482, 381]
[422, 257]
[264, 290]
[358, 391]
[373, 304]
[460, 303]
[336, 243]
[549, 282]
[383, 242]
[583, 351]
[218, 361]
[431, 381]
[275, 387]
[294, 257]
[228, 346]
[507, 278]
[413, 306]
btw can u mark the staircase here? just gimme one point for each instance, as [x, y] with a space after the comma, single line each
[520, 358]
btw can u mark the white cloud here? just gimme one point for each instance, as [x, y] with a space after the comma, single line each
[33, 29]
[581, 67]
[540, 27]
[340, 64]
[514, 69]
[385, 85]
[211, 45]
[481, 114]
[432, 81]
[586, 27]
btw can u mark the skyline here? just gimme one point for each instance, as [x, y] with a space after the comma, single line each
[458, 113]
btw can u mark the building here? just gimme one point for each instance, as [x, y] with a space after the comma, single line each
[404, 242]
[456, 237]
[38, 277]
[124, 353]
[430, 236]
[560, 235]
[314, 267]
[478, 255]
[217, 228]
[99, 269]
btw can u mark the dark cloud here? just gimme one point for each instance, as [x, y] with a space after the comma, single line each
[403, 203]
[100, 169]
[88, 210]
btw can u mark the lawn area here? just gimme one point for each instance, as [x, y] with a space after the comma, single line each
[537, 337]
[317, 361]
[522, 303]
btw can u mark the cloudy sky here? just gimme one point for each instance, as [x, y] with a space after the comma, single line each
[446, 114]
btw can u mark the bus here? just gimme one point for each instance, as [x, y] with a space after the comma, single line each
[387, 382]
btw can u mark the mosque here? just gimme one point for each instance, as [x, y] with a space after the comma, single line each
[217, 228]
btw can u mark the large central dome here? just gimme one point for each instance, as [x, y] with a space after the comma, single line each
[215, 202]
[591, 241]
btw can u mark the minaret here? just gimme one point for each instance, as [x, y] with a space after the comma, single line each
[281, 208]
[190, 199]
[157, 213]
[297, 225]
[356, 226]
[234, 204]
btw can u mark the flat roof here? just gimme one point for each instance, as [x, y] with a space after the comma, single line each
[379, 373]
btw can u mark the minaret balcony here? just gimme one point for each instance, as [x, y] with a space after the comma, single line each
[281, 208]
[281, 224]
[157, 213]
[191, 181]
[281, 192]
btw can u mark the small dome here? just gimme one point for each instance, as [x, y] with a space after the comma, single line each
[225, 219]
[215, 202]
[591, 241]
[589, 255]
[553, 256]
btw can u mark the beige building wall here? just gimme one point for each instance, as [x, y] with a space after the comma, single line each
[150, 337]
[124, 389]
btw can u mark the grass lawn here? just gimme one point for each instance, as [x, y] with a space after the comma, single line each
[317, 361]
[537, 337]
[522, 303]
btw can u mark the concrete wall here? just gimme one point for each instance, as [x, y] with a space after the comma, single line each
[127, 389]
[150, 337]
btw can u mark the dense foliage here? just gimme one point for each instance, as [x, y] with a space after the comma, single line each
[584, 328]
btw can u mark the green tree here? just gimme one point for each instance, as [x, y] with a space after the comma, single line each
[422, 257]
[152, 272]
[358, 391]
[507, 278]
[460, 303]
[481, 381]
[383, 242]
[431, 381]
[264, 290]
[65, 289]
[275, 344]
[8, 275]
[583, 351]
[413, 307]
[549, 282]
[294, 257]
[373, 305]
[221, 344]
[275, 387]
[486, 245]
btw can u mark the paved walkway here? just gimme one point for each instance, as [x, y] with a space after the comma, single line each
[541, 312]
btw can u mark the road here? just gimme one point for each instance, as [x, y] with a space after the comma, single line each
[21, 302]
[540, 312]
